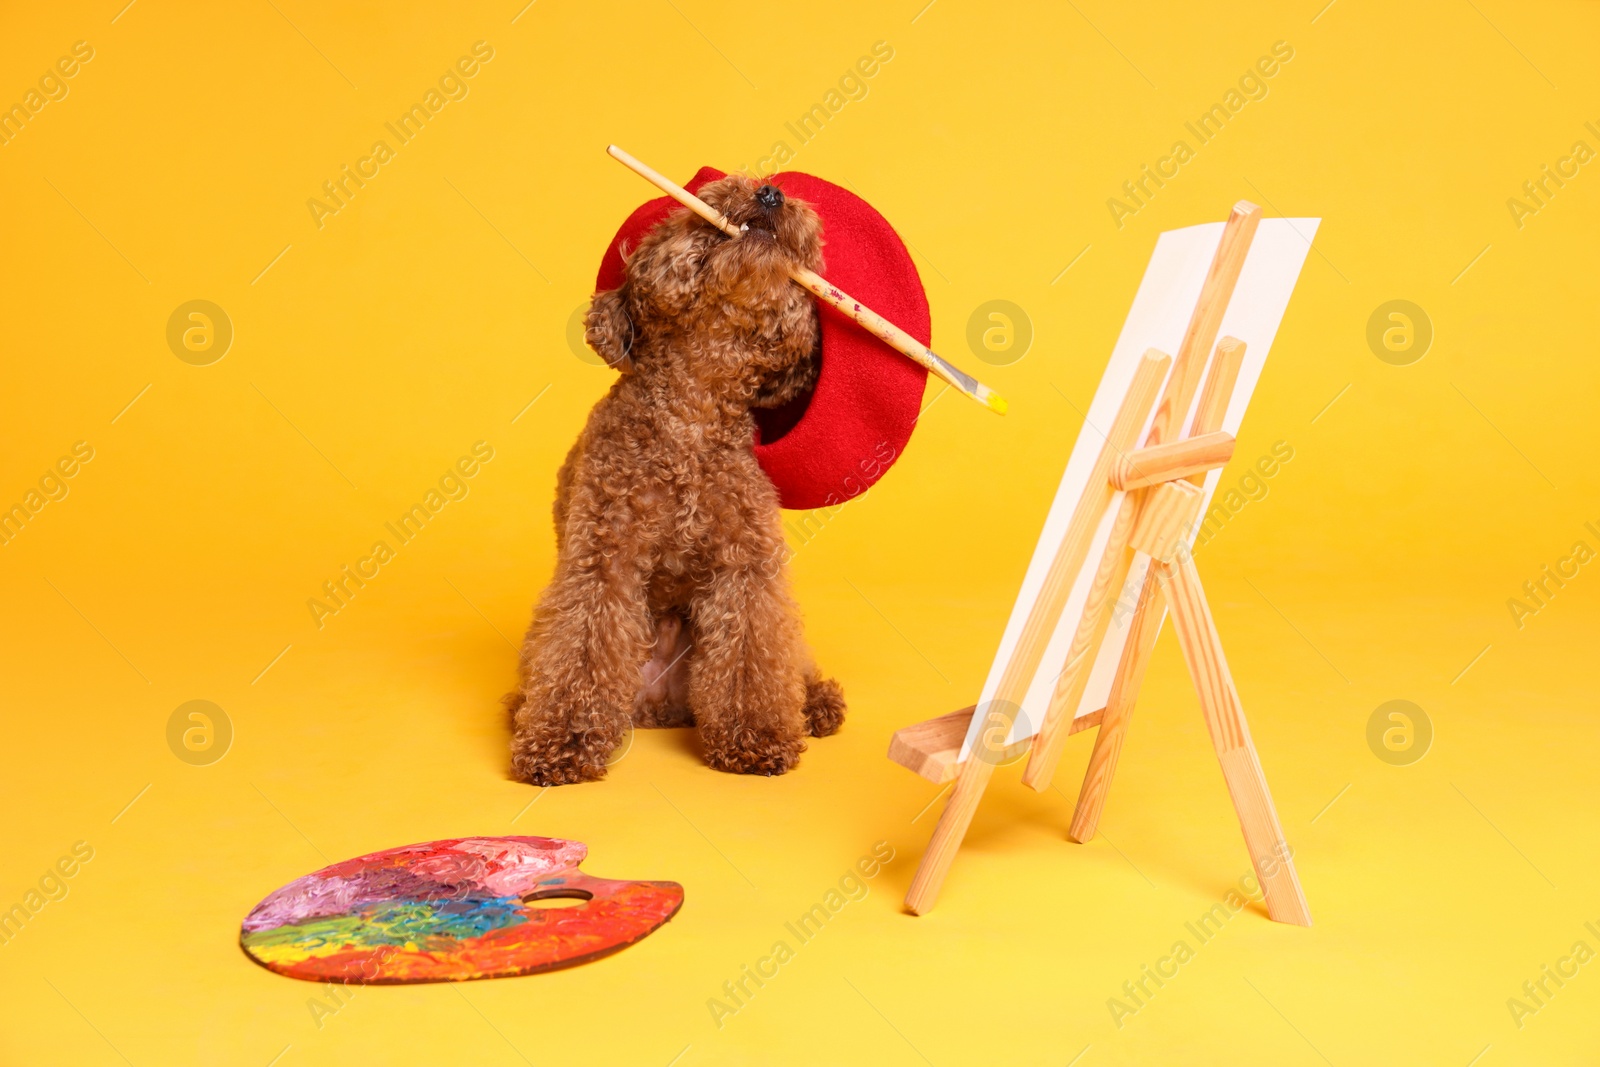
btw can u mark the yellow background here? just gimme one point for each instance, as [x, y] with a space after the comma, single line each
[427, 314]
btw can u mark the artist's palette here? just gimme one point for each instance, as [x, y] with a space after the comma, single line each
[447, 911]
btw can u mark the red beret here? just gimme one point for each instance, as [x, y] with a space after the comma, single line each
[824, 449]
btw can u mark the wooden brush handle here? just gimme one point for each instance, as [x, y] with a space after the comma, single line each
[823, 290]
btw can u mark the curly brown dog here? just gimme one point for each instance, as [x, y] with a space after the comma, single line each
[670, 603]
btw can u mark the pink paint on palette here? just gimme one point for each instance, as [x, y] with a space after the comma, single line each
[452, 910]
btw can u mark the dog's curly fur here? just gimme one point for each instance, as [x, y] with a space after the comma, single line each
[670, 604]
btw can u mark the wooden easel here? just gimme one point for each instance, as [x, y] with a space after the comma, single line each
[1160, 482]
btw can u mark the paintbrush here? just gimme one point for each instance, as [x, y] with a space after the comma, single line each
[822, 289]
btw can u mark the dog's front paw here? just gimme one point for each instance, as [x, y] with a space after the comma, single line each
[752, 752]
[548, 765]
[824, 708]
[547, 748]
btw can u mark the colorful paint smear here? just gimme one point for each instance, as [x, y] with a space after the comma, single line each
[448, 911]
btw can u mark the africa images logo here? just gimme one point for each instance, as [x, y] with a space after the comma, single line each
[338, 191]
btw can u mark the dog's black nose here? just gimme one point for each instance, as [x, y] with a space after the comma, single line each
[770, 197]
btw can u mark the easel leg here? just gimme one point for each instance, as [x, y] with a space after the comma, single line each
[1023, 662]
[971, 780]
[1119, 710]
[1230, 735]
[1109, 577]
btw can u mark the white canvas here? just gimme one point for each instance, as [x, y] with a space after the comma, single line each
[1159, 316]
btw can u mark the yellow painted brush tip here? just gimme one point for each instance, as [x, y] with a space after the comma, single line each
[997, 403]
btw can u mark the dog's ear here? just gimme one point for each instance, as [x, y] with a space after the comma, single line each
[609, 330]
